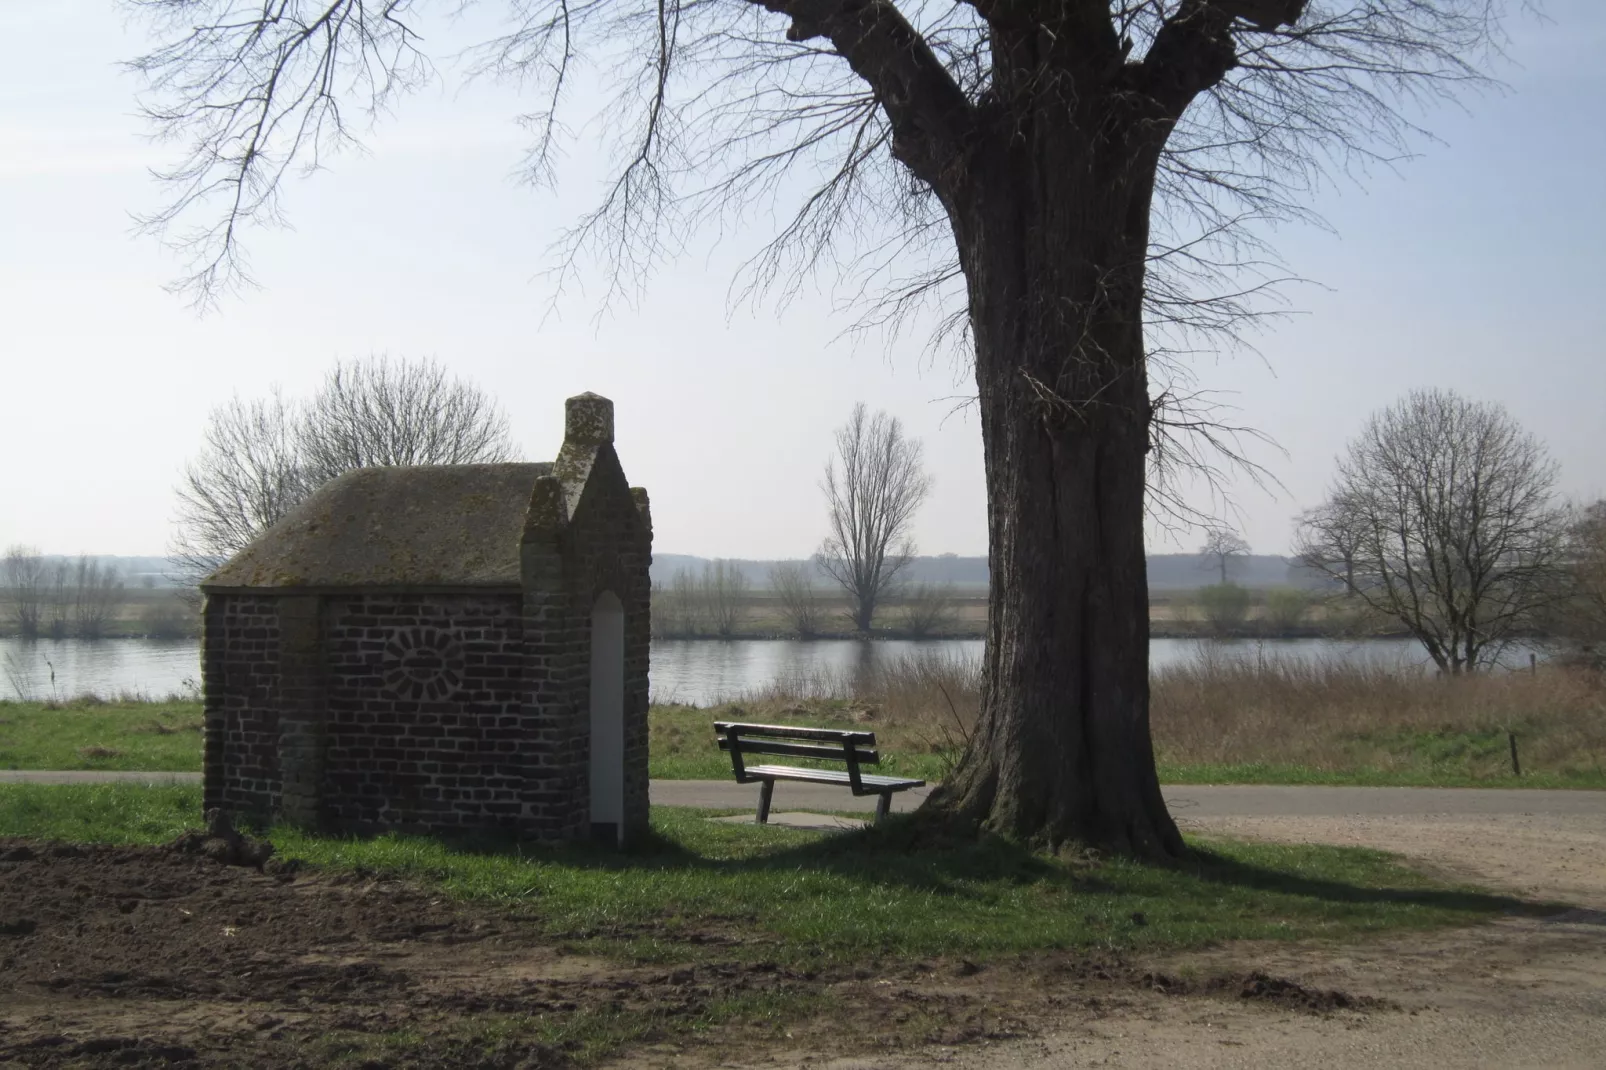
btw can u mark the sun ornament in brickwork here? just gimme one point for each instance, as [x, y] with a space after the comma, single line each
[423, 664]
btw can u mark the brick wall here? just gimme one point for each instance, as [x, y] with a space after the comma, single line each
[240, 659]
[413, 711]
[425, 711]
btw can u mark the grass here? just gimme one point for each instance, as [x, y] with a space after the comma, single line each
[789, 895]
[88, 733]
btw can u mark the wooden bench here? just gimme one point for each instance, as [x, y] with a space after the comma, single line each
[855, 749]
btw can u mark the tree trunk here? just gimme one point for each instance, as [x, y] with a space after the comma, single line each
[1053, 251]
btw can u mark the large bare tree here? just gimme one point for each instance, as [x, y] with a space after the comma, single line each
[1063, 169]
[262, 457]
[1447, 506]
[873, 486]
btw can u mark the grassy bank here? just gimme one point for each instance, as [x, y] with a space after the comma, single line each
[788, 895]
[1304, 722]
[91, 733]
[1215, 721]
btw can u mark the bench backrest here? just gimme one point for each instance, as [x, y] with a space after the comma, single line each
[828, 744]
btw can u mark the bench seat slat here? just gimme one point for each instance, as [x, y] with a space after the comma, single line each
[801, 750]
[831, 776]
[782, 731]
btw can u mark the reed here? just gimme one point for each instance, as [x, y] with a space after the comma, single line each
[1227, 717]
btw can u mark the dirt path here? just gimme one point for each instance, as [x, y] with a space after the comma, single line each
[1556, 857]
[1511, 996]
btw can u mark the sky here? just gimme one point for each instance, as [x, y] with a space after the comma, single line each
[1476, 265]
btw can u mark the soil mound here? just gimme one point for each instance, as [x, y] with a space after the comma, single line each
[1261, 987]
[221, 842]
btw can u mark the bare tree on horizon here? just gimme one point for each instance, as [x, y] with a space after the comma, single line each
[1082, 186]
[873, 487]
[722, 587]
[96, 588]
[1224, 549]
[793, 584]
[25, 578]
[1578, 618]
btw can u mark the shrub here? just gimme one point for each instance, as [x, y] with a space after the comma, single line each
[1285, 608]
[167, 620]
[1223, 606]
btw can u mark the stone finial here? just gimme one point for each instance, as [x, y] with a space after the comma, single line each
[588, 419]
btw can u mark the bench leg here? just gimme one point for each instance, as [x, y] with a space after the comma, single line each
[883, 803]
[764, 793]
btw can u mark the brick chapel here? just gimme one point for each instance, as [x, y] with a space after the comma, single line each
[449, 648]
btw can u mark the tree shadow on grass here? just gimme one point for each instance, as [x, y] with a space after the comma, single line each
[901, 854]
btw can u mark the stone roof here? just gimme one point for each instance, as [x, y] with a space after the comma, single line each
[435, 526]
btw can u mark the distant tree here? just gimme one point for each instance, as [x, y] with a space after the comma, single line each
[261, 458]
[1578, 615]
[723, 586]
[25, 578]
[1223, 607]
[96, 588]
[873, 487]
[926, 608]
[680, 606]
[58, 599]
[1223, 551]
[1329, 541]
[657, 595]
[1457, 535]
[793, 585]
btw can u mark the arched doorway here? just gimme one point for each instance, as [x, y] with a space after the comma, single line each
[608, 718]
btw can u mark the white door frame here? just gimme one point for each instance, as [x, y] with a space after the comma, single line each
[608, 717]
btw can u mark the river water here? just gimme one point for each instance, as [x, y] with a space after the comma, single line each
[699, 672]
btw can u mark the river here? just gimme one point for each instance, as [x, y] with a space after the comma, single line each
[692, 671]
